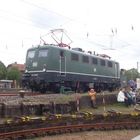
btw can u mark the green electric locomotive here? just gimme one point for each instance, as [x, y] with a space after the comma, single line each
[50, 67]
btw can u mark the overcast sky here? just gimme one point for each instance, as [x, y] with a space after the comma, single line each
[109, 27]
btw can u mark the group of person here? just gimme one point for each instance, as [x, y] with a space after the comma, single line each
[127, 95]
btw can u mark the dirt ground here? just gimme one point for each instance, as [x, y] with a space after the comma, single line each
[96, 135]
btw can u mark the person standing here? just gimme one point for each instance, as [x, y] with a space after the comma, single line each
[92, 94]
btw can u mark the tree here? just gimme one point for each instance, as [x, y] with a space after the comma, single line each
[13, 74]
[132, 74]
[3, 71]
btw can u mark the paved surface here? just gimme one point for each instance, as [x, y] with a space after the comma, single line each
[96, 135]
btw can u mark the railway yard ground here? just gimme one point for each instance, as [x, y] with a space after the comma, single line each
[33, 104]
[14, 104]
[95, 135]
[100, 135]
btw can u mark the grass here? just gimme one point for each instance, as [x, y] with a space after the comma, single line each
[116, 106]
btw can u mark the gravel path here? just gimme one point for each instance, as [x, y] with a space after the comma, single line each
[96, 135]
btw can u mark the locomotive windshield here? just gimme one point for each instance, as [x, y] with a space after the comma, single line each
[31, 54]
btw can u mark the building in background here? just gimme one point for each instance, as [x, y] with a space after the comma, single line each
[20, 67]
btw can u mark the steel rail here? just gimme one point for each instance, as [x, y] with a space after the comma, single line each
[69, 128]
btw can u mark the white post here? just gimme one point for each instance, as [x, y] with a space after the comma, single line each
[104, 103]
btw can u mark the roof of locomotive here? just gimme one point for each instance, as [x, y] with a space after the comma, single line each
[71, 50]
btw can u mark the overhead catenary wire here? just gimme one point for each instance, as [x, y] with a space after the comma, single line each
[20, 19]
[69, 19]
[25, 20]
[14, 17]
[45, 10]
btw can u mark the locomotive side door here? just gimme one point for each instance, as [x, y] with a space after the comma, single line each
[116, 70]
[62, 63]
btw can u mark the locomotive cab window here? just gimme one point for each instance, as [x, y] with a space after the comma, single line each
[102, 62]
[110, 64]
[74, 57]
[43, 53]
[94, 61]
[31, 54]
[85, 59]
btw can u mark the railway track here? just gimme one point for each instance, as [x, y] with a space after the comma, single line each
[24, 134]
[18, 93]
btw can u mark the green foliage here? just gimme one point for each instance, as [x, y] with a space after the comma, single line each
[3, 71]
[132, 74]
[13, 74]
